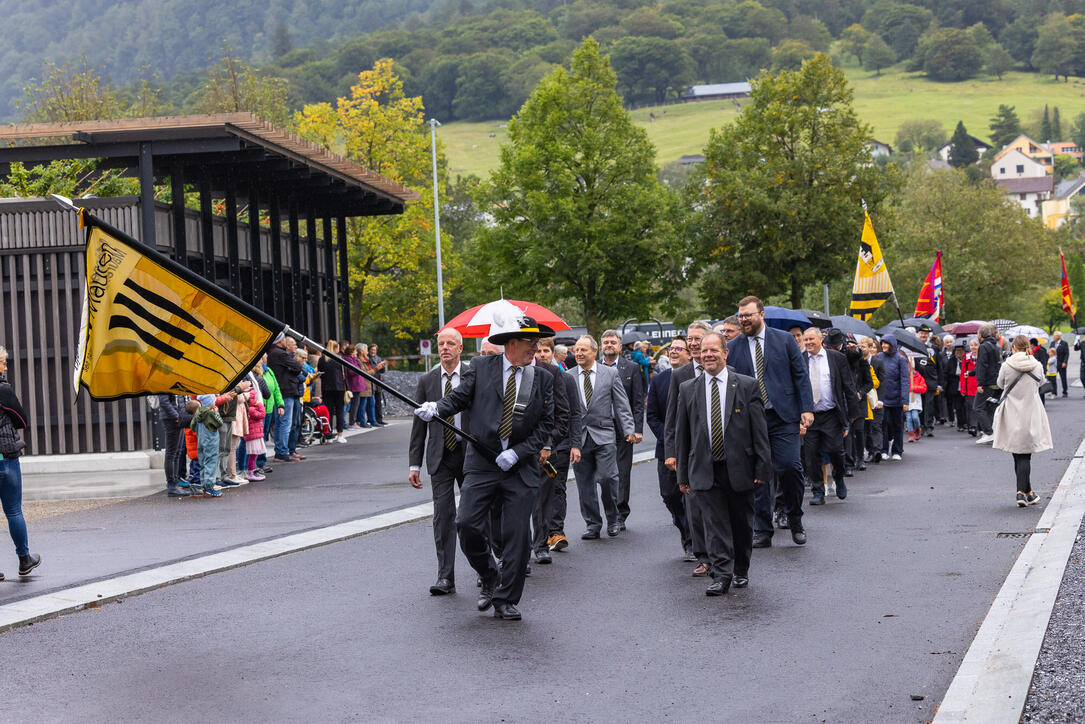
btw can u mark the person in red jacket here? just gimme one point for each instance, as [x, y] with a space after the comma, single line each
[968, 383]
[254, 438]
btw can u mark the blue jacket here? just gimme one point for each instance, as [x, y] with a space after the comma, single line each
[786, 378]
[896, 385]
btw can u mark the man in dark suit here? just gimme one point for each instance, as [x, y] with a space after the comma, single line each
[444, 452]
[656, 412]
[723, 455]
[512, 416]
[835, 408]
[1062, 358]
[633, 381]
[694, 333]
[560, 450]
[772, 358]
[931, 372]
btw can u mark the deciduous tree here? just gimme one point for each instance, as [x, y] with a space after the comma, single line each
[778, 202]
[878, 55]
[921, 134]
[997, 60]
[578, 213]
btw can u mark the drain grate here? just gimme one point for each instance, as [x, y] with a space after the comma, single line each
[1005, 534]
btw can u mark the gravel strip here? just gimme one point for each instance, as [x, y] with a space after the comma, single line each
[1058, 684]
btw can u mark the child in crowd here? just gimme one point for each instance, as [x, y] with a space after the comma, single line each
[915, 406]
[207, 422]
[254, 436]
[191, 447]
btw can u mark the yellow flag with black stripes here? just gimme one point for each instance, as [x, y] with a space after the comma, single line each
[151, 326]
[872, 286]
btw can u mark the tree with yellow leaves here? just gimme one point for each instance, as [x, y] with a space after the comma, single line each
[392, 258]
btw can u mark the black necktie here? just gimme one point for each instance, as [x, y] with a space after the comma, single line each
[505, 429]
[587, 387]
[450, 437]
[761, 372]
[716, 416]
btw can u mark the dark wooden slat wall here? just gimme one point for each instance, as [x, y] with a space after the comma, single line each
[42, 276]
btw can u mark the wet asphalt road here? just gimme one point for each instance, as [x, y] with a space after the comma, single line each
[879, 606]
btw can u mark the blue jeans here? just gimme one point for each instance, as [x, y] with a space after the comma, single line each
[282, 427]
[208, 451]
[295, 424]
[369, 411]
[11, 493]
[355, 409]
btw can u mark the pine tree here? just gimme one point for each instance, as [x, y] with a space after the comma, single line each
[1005, 126]
[1056, 125]
[1045, 126]
[962, 151]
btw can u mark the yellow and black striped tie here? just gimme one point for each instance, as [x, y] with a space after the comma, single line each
[717, 421]
[505, 430]
[761, 372]
[587, 388]
[451, 441]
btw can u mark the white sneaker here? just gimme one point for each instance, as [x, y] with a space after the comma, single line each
[340, 439]
[895, 457]
[985, 440]
[832, 489]
[240, 479]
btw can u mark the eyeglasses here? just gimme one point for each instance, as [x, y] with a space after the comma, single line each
[676, 350]
[748, 315]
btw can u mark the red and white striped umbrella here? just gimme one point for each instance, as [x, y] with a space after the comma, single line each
[475, 322]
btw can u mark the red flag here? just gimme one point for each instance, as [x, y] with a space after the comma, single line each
[1067, 298]
[931, 301]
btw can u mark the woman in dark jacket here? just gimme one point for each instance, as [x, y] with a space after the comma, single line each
[896, 385]
[12, 418]
[334, 388]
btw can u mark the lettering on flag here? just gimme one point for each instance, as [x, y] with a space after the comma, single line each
[151, 326]
[872, 287]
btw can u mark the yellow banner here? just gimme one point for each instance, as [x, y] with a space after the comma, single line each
[151, 326]
[872, 287]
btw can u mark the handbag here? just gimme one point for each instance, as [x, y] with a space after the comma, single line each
[1041, 389]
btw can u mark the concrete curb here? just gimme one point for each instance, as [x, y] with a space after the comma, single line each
[92, 595]
[993, 680]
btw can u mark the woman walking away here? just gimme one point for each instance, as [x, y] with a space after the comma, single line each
[1020, 421]
[12, 418]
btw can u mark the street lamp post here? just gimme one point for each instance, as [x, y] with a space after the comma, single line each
[433, 123]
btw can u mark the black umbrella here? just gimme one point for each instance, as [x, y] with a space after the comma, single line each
[821, 320]
[916, 322]
[633, 336]
[851, 325]
[909, 341]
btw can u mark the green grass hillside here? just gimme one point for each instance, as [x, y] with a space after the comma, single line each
[883, 102]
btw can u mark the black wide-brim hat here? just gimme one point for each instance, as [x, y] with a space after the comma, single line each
[521, 328]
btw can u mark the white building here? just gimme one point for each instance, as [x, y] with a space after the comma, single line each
[1029, 193]
[1014, 164]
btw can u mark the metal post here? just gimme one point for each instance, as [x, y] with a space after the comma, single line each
[330, 298]
[276, 257]
[207, 231]
[146, 194]
[437, 224]
[825, 288]
[294, 307]
[233, 257]
[256, 264]
[177, 212]
[344, 277]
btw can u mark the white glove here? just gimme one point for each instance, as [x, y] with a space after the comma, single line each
[507, 459]
[426, 411]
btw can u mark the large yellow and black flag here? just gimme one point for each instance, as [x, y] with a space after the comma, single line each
[872, 286]
[152, 326]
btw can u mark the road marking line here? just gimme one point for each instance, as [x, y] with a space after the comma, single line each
[993, 680]
[92, 595]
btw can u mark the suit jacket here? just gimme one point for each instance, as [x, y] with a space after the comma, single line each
[656, 409]
[786, 378]
[563, 433]
[482, 391]
[607, 394]
[431, 388]
[745, 434]
[576, 414]
[843, 384]
[1062, 353]
[678, 376]
[633, 381]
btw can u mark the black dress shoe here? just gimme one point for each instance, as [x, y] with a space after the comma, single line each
[590, 535]
[762, 540]
[849, 473]
[613, 530]
[505, 610]
[741, 581]
[841, 490]
[486, 594]
[543, 557]
[442, 587]
[818, 498]
[718, 587]
[798, 535]
[861, 466]
[527, 569]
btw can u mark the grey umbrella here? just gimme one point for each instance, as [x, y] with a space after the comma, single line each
[908, 340]
[851, 325]
[633, 336]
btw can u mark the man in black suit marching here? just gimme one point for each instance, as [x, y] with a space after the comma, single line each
[633, 381]
[511, 403]
[444, 456]
[835, 407]
[656, 413]
[722, 445]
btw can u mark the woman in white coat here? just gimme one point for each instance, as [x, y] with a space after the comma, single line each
[1020, 424]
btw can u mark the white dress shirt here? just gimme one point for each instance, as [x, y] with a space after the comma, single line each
[709, 380]
[819, 363]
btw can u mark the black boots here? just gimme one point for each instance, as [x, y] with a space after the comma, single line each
[28, 563]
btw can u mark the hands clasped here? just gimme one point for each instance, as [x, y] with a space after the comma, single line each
[426, 411]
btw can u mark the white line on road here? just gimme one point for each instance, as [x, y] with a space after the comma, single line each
[91, 595]
[994, 678]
